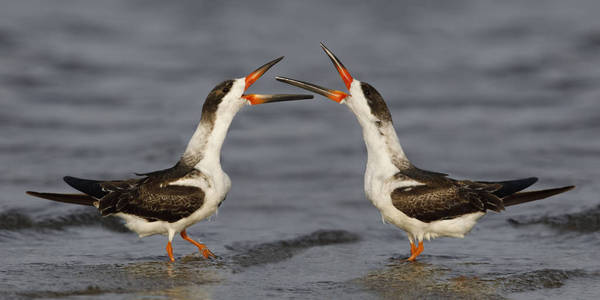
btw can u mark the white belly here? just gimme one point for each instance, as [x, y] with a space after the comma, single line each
[378, 191]
[418, 230]
[144, 228]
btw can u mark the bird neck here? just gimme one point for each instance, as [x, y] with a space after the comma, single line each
[384, 151]
[204, 148]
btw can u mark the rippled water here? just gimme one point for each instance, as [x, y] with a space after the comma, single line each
[479, 89]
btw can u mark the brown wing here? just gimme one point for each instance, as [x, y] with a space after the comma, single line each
[152, 202]
[152, 198]
[442, 198]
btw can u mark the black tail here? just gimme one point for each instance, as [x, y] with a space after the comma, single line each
[90, 187]
[80, 199]
[510, 187]
[519, 198]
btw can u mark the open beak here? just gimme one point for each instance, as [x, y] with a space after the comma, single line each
[255, 99]
[339, 66]
[335, 95]
[254, 76]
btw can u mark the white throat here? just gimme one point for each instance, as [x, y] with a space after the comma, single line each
[384, 151]
[204, 148]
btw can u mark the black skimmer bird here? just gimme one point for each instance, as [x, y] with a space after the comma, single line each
[425, 204]
[169, 201]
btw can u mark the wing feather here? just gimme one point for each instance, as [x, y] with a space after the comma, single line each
[440, 197]
[154, 197]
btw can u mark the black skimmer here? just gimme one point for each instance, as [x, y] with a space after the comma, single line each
[168, 201]
[425, 204]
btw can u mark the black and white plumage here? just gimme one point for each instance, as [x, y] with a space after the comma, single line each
[168, 201]
[423, 203]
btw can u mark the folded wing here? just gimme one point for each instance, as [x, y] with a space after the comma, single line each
[439, 197]
[153, 197]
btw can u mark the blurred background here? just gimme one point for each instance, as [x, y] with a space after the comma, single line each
[486, 90]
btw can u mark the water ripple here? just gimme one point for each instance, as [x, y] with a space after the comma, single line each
[14, 221]
[277, 251]
[585, 221]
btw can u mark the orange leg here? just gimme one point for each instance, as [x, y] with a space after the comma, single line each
[413, 248]
[201, 247]
[416, 252]
[170, 251]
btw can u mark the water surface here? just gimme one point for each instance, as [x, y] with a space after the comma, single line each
[486, 90]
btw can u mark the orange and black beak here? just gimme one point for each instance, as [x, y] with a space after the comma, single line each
[335, 95]
[255, 99]
[339, 66]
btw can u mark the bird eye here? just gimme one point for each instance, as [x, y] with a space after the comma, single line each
[226, 90]
[367, 92]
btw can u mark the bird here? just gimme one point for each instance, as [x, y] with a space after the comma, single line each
[169, 201]
[423, 203]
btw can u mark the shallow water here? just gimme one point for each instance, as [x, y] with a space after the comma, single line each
[486, 90]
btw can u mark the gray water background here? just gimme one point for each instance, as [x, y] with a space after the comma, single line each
[485, 90]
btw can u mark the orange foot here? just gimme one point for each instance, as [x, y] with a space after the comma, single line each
[201, 247]
[415, 251]
[170, 251]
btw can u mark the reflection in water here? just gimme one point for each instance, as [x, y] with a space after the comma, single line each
[421, 280]
[189, 279]
[401, 279]
[192, 278]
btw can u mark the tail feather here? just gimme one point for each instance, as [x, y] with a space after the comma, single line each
[524, 197]
[512, 186]
[80, 199]
[87, 186]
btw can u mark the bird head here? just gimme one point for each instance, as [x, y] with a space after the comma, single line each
[228, 96]
[362, 98]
